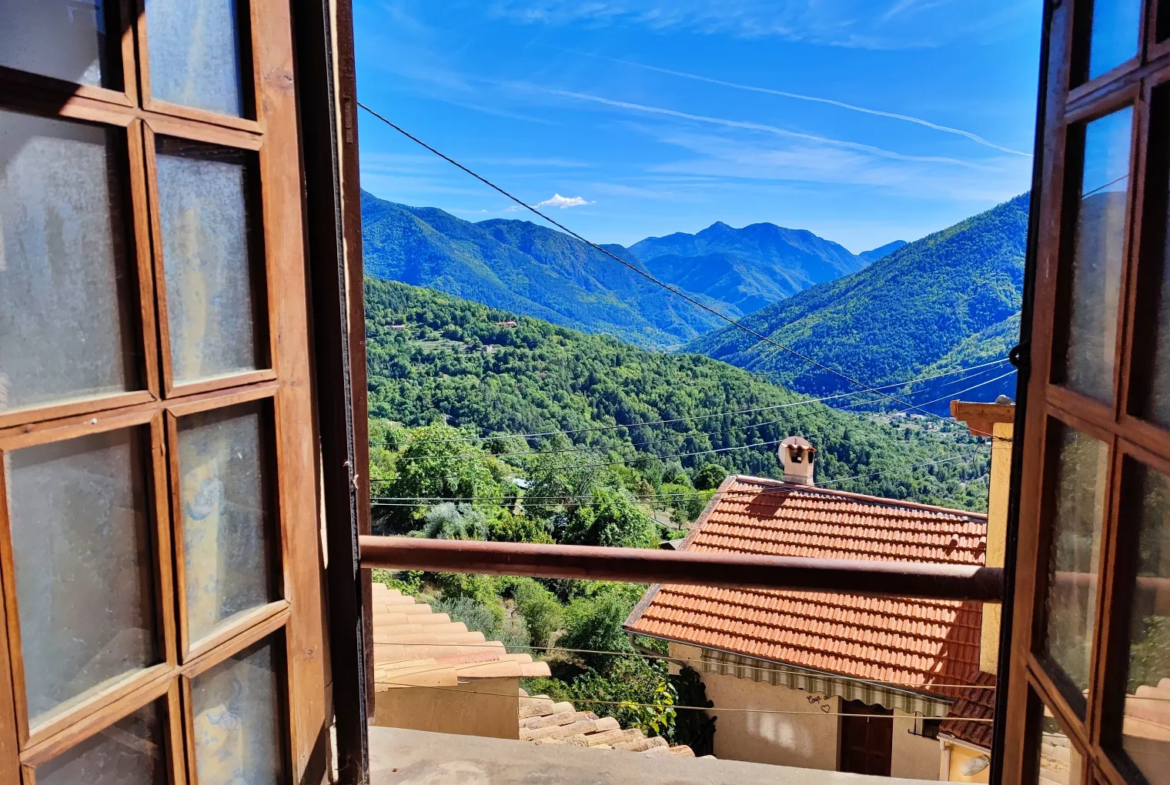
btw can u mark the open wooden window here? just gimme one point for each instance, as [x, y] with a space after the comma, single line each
[159, 542]
[1090, 665]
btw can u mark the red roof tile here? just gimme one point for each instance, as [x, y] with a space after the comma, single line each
[975, 703]
[917, 643]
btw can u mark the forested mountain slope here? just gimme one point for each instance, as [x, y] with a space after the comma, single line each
[747, 268]
[947, 299]
[436, 357]
[525, 268]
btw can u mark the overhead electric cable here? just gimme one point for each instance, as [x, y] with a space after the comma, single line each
[638, 271]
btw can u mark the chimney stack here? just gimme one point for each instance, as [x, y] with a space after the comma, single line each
[797, 457]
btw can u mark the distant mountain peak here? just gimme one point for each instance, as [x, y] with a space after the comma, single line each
[882, 251]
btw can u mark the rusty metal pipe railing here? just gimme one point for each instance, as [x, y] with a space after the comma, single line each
[636, 565]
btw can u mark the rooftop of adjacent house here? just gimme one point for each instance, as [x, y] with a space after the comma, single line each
[969, 718]
[922, 645]
[417, 648]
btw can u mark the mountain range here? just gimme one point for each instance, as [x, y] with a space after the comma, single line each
[541, 272]
[948, 301]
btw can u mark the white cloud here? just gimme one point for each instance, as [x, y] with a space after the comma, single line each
[761, 127]
[563, 202]
[851, 23]
[817, 99]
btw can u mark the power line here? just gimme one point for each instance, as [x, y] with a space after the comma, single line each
[709, 663]
[385, 501]
[491, 437]
[714, 312]
[679, 419]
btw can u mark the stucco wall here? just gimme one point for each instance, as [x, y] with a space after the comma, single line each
[454, 709]
[997, 511]
[913, 757]
[960, 755]
[807, 739]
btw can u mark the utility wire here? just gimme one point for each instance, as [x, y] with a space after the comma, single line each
[626, 703]
[709, 663]
[491, 437]
[587, 448]
[382, 500]
[637, 270]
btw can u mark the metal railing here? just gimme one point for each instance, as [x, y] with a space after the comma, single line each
[636, 565]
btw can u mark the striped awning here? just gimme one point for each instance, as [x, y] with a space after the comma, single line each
[779, 674]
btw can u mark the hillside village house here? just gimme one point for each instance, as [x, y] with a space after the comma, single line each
[817, 658]
[184, 507]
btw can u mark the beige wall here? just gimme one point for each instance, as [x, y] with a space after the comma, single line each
[914, 757]
[807, 739]
[997, 509]
[959, 755]
[457, 710]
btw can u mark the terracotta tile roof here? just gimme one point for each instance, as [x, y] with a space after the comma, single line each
[542, 721]
[916, 643]
[977, 703]
[415, 647]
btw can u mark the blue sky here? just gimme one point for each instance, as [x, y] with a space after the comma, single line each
[864, 121]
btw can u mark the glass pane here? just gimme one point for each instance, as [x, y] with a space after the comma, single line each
[64, 283]
[195, 55]
[65, 39]
[1072, 562]
[1157, 403]
[132, 751]
[1116, 34]
[1060, 763]
[1098, 253]
[227, 516]
[1146, 727]
[207, 252]
[238, 720]
[78, 514]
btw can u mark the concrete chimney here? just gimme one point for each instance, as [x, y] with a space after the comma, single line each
[797, 457]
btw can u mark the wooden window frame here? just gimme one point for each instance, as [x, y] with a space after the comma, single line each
[274, 132]
[30, 736]
[1118, 424]
[190, 650]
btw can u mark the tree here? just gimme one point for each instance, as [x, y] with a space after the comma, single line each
[709, 477]
[454, 522]
[438, 463]
[541, 612]
[593, 629]
[611, 520]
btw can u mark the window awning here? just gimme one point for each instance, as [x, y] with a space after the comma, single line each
[780, 674]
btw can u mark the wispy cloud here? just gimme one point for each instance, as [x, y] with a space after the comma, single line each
[851, 23]
[751, 126]
[563, 202]
[816, 99]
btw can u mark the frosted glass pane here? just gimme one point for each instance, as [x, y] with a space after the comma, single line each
[1145, 729]
[195, 55]
[132, 751]
[1073, 557]
[65, 39]
[227, 515]
[1116, 27]
[1157, 404]
[82, 546]
[64, 283]
[238, 720]
[1098, 256]
[207, 253]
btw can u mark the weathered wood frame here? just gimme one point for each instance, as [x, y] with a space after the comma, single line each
[273, 132]
[1067, 103]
